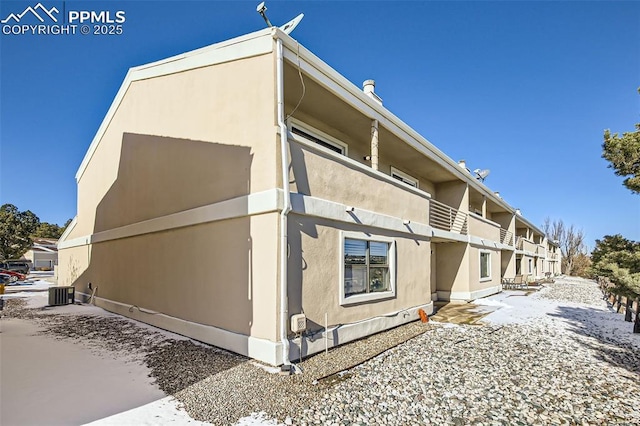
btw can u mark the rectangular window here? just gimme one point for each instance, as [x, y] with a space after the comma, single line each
[485, 265]
[530, 265]
[316, 136]
[368, 270]
[409, 180]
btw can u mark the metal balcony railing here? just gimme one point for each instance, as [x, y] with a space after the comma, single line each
[442, 216]
[506, 237]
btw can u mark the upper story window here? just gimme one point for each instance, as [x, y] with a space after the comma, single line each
[307, 133]
[409, 180]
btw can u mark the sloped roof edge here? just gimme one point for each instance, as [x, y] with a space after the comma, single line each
[244, 46]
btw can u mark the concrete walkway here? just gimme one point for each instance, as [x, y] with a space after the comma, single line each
[44, 381]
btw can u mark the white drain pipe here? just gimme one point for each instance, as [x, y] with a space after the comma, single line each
[286, 208]
[374, 144]
[368, 87]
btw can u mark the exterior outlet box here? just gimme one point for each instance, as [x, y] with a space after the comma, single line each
[298, 323]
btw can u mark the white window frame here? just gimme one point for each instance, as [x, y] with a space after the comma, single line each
[368, 297]
[405, 178]
[530, 265]
[487, 278]
[318, 134]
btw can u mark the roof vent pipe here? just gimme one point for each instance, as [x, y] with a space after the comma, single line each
[463, 166]
[368, 87]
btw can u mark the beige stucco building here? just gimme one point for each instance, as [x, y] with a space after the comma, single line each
[235, 186]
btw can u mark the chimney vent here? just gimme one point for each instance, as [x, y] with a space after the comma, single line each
[368, 87]
[463, 165]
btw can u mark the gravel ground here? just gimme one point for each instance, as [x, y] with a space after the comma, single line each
[562, 368]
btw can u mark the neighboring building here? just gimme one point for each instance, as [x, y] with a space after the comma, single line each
[43, 254]
[184, 222]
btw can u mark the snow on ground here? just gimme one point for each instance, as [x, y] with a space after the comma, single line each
[570, 304]
[49, 380]
[46, 380]
[163, 411]
[22, 288]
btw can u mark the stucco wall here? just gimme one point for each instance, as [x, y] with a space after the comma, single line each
[505, 220]
[315, 268]
[529, 246]
[452, 267]
[454, 194]
[178, 142]
[172, 140]
[222, 274]
[72, 267]
[483, 229]
[508, 264]
[475, 283]
[321, 175]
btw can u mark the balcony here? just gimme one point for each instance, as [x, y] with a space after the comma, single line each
[523, 244]
[483, 228]
[506, 237]
[441, 216]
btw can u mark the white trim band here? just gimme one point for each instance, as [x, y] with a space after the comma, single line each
[252, 204]
[253, 347]
[468, 295]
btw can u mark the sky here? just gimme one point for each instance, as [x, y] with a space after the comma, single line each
[524, 89]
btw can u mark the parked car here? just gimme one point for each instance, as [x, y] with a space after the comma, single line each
[15, 276]
[5, 279]
[16, 265]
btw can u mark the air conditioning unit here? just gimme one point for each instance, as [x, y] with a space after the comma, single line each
[298, 323]
[59, 296]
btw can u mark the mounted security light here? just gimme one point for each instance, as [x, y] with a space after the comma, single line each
[261, 9]
[286, 28]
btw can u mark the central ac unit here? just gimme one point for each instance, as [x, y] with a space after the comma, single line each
[59, 296]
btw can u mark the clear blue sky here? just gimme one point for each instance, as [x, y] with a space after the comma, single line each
[522, 88]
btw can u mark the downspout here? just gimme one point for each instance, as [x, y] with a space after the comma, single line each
[374, 144]
[286, 206]
[368, 87]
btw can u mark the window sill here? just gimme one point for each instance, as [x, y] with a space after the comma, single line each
[369, 297]
[485, 279]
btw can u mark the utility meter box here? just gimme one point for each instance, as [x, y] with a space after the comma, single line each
[298, 323]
